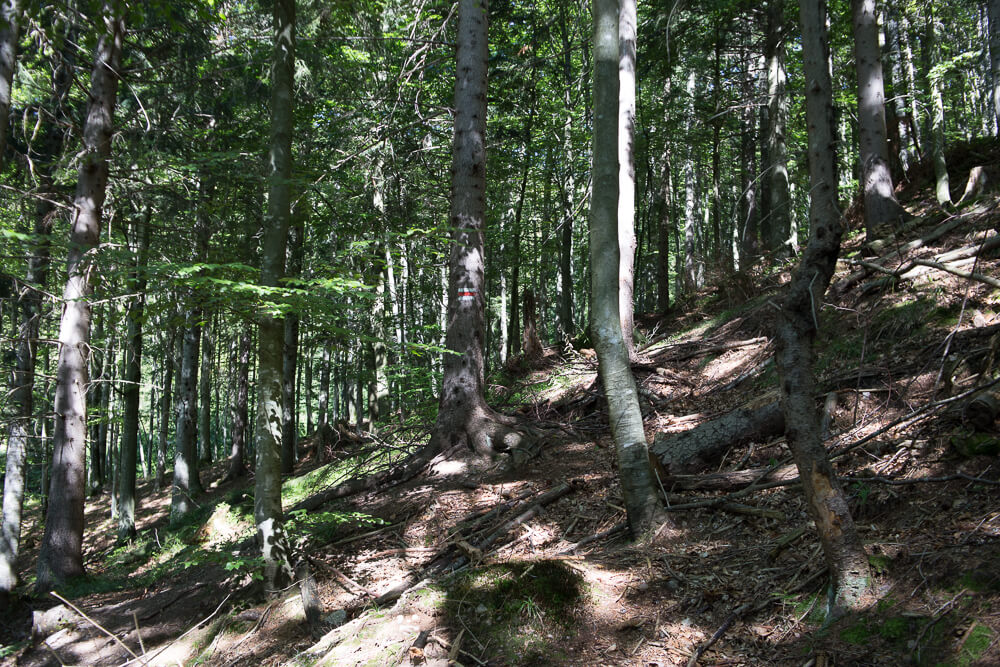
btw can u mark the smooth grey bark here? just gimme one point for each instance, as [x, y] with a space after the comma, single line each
[308, 394]
[627, 22]
[881, 207]
[463, 415]
[898, 125]
[205, 396]
[636, 479]
[133, 376]
[270, 338]
[290, 354]
[166, 397]
[61, 553]
[10, 30]
[779, 208]
[797, 324]
[186, 483]
[238, 409]
[993, 22]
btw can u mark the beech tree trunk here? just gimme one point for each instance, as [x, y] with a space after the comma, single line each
[627, 22]
[796, 328]
[61, 554]
[133, 376]
[881, 207]
[268, 426]
[205, 396]
[942, 185]
[636, 479]
[290, 352]
[463, 415]
[568, 189]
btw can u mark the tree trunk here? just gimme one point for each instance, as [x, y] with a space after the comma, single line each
[993, 9]
[237, 456]
[690, 261]
[463, 416]
[169, 364]
[61, 554]
[290, 353]
[205, 396]
[323, 400]
[532, 345]
[186, 483]
[627, 21]
[619, 386]
[268, 426]
[780, 211]
[691, 450]
[308, 394]
[568, 189]
[942, 187]
[10, 28]
[22, 387]
[881, 207]
[796, 328]
[133, 376]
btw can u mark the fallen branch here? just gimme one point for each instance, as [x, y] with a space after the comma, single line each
[948, 268]
[94, 623]
[146, 659]
[614, 530]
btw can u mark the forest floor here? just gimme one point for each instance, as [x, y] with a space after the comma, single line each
[528, 583]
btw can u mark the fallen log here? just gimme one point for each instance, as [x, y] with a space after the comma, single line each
[729, 481]
[684, 452]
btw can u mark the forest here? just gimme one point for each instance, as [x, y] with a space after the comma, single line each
[489, 333]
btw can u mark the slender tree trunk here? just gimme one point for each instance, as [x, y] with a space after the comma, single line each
[186, 483]
[169, 358]
[308, 396]
[635, 476]
[881, 207]
[323, 400]
[10, 29]
[942, 186]
[133, 376]
[61, 554]
[237, 456]
[268, 426]
[993, 9]
[205, 395]
[290, 354]
[627, 21]
[568, 190]
[796, 328]
[780, 210]
[690, 268]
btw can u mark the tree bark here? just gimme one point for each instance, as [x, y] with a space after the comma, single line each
[323, 400]
[636, 480]
[205, 396]
[691, 273]
[463, 415]
[268, 426]
[10, 29]
[61, 554]
[627, 22]
[942, 186]
[780, 224]
[186, 482]
[689, 451]
[993, 10]
[568, 189]
[290, 354]
[238, 409]
[797, 323]
[532, 345]
[169, 364]
[133, 376]
[881, 207]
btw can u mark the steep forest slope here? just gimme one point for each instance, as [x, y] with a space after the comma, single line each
[487, 563]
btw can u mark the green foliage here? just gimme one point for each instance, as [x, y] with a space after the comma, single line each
[325, 527]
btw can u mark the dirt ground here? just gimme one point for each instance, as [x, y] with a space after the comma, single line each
[741, 572]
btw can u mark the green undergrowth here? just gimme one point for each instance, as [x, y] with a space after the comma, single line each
[299, 488]
[521, 612]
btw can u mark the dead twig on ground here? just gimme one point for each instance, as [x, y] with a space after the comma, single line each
[94, 623]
